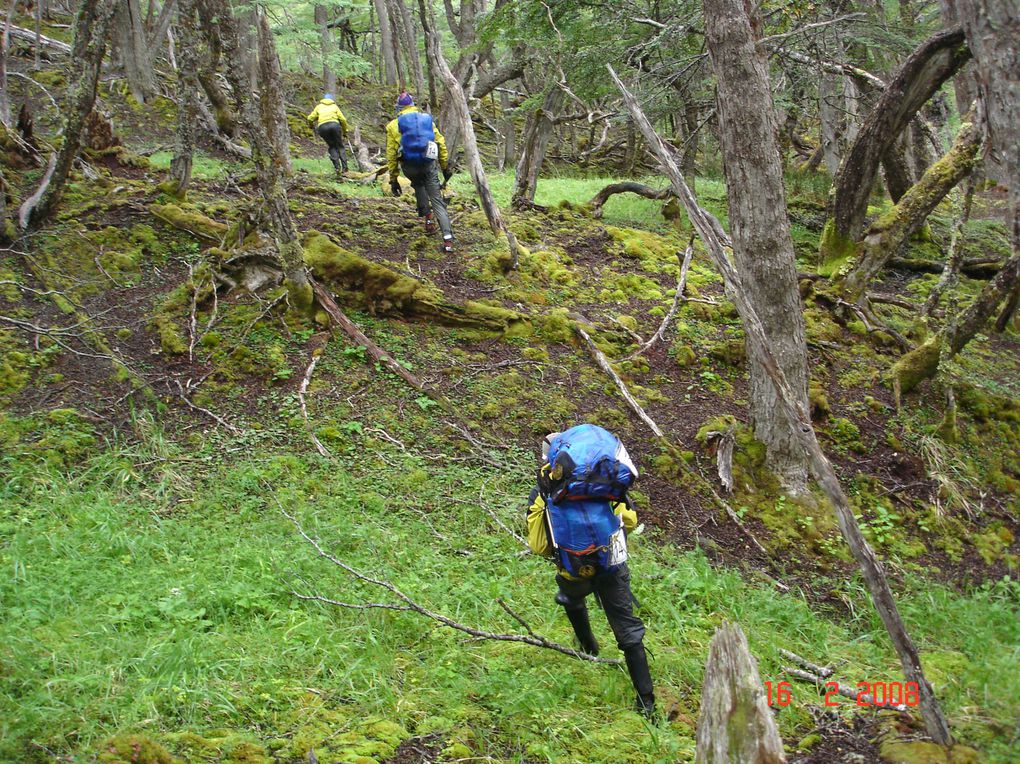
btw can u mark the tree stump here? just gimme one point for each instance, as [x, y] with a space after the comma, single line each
[735, 725]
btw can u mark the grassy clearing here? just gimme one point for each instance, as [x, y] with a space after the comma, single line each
[149, 590]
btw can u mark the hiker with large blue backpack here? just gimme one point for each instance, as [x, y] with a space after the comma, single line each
[579, 515]
[414, 144]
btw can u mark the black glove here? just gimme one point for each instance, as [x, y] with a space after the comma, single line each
[447, 174]
[395, 188]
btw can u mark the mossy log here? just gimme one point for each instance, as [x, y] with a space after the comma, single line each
[886, 236]
[188, 218]
[383, 290]
[628, 187]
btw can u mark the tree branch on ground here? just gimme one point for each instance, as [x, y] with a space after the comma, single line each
[413, 605]
[685, 265]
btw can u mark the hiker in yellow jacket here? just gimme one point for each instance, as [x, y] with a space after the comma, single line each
[331, 125]
[414, 144]
[610, 587]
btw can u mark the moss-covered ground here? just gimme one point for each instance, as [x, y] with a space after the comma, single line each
[151, 431]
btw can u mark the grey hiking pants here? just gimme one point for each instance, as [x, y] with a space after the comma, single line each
[613, 590]
[428, 194]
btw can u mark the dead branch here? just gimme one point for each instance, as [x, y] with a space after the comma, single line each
[192, 405]
[29, 205]
[681, 285]
[302, 389]
[842, 688]
[874, 576]
[724, 457]
[412, 605]
[628, 187]
[603, 362]
[822, 671]
[20, 33]
[351, 330]
[891, 299]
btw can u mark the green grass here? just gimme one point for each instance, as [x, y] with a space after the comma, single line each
[149, 590]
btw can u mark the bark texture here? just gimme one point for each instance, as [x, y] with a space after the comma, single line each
[534, 141]
[890, 232]
[762, 246]
[91, 30]
[272, 102]
[129, 33]
[387, 49]
[735, 725]
[934, 62]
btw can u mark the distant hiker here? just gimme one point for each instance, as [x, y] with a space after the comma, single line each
[331, 125]
[414, 143]
[579, 515]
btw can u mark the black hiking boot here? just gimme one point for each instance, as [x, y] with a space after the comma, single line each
[637, 667]
[582, 630]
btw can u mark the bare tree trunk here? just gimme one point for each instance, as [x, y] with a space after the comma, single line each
[37, 63]
[388, 52]
[474, 161]
[896, 169]
[187, 95]
[226, 120]
[1009, 310]
[407, 32]
[272, 102]
[509, 133]
[993, 28]
[322, 19]
[735, 725]
[269, 168]
[934, 62]
[762, 246]
[537, 131]
[433, 98]
[709, 230]
[91, 30]
[5, 46]
[889, 233]
[129, 34]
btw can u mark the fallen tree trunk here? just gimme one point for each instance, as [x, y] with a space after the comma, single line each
[871, 568]
[21, 33]
[974, 268]
[627, 187]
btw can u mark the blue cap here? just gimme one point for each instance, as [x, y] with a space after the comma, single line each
[405, 99]
[327, 97]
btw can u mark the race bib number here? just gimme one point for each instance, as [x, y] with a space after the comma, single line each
[432, 150]
[618, 548]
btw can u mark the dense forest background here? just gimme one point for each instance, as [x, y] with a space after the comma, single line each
[265, 450]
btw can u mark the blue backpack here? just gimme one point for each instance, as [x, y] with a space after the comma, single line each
[588, 462]
[590, 470]
[416, 132]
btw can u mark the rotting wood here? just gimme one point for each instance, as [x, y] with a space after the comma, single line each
[21, 33]
[871, 568]
[735, 725]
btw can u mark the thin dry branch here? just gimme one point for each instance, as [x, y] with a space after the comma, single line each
[212, 415]
[412, 605]
[302, 389]
[681, 285]
[842, 688]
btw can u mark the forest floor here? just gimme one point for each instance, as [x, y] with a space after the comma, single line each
[151, 443]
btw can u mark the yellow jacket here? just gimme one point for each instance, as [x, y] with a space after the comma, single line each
[327, 111]
[393, 143]
[538, 529]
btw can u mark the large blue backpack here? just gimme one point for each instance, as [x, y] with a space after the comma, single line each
[589, 462]
[416, 132]
[589, 471]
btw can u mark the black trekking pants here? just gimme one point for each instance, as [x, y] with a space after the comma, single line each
[613, 590]
[428, 193]
[331, 133]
